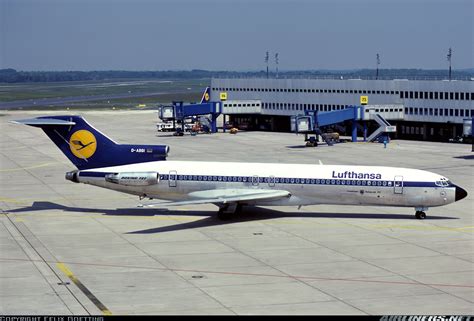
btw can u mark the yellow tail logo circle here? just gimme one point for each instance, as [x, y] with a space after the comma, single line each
[206, 96]
[83, 144]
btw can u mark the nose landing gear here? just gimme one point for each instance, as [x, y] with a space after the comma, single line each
[420, 212]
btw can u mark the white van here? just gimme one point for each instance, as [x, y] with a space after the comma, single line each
[165, 127]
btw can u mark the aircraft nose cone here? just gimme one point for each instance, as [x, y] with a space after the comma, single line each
[460, 193]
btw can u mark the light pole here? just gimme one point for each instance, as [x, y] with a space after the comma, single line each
[276, 63]
[450, 53]
[378, 63]
[266, 61]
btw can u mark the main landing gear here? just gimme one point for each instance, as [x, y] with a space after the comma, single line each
[226, 211]
[420, 214]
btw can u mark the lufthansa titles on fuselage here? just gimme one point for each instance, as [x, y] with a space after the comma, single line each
[352, 174]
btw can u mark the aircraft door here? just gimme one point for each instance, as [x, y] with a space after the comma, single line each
[398, 185]
[173, 178]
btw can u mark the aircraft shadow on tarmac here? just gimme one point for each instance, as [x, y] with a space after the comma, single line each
[465, 157]
[248, 214]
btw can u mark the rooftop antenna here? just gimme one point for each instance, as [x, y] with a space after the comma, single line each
[266, 61]
[276, 63]
[450, 54]
[378, 63]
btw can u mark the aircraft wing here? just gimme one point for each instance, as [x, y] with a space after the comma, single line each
[227, 196]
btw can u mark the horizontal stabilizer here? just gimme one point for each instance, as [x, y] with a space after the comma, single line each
[38, 122]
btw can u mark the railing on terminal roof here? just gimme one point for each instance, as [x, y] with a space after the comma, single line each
[346, 77]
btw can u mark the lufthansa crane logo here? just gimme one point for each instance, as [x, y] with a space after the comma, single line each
[83, 144]
[206, 96]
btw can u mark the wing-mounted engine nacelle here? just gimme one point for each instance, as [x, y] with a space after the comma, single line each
[133, 179]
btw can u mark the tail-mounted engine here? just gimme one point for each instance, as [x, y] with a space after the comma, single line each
[72, 176]
[133, 179]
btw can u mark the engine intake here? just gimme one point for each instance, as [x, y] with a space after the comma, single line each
[72, 176]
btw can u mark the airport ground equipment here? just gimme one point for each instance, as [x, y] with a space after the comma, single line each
[178, 112]
[467, 135]
[381, 114]
[312, 121]
[385, 127]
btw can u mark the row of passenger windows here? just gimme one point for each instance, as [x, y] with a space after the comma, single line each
[403, 94]
[441, 112]
[275, 180]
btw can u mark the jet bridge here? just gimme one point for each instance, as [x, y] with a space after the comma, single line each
[312, 121]
[178, 111]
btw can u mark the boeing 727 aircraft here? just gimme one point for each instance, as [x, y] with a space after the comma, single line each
[143, 170]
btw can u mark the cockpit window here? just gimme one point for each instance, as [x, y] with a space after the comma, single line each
[443, 182]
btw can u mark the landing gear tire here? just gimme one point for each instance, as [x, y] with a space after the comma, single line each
[228, 211]
[420, 215]
[223, 215]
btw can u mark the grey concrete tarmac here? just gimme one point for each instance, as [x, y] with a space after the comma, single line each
[69, 248]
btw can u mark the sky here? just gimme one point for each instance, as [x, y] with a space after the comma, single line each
[234, 34]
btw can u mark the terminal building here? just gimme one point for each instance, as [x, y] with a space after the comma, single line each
[432, 110]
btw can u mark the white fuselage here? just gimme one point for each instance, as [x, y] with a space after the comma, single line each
[308, 184]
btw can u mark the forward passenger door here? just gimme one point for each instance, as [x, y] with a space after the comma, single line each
[398, 185]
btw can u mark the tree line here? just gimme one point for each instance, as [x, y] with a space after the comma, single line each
[13, 76]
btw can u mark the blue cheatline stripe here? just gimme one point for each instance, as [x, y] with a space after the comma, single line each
[278, 180]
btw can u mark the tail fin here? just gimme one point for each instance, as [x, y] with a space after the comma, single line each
[206, 96]
[86, 147]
